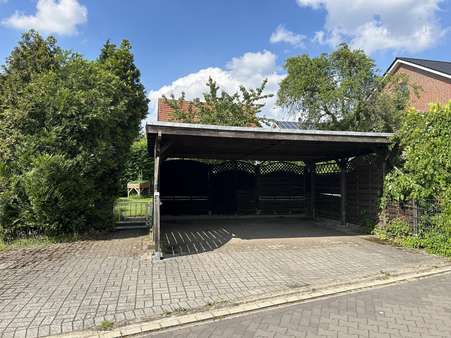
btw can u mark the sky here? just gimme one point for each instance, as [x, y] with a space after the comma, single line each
[178, 44]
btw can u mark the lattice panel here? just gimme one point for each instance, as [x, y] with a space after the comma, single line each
[289, 167]
[233, 165]
[327, 168]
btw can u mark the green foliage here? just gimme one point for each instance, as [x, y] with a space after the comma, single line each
[67, 125]
[436, 242]
[394, 229]
[433, 240]
[54, 200]
[342, 91]
[106, 325]
[425, 175]
[238, 109]
[426, 155]
[139, 165]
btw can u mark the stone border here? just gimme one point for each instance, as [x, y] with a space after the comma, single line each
[261, 304]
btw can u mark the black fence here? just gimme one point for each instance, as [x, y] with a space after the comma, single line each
[418, 215]
[232, 187]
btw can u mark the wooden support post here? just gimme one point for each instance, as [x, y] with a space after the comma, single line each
[235, 187]
[384, 156]
[311, 171]
[306, 181]
[343, 163]
[156, 197]
[257, 188]
[210, 190]
[313, 190]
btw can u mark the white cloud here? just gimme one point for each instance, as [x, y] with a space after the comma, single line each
[249, 70]
[281, 34]
[409, 25]
[52, 17]
[319, 37]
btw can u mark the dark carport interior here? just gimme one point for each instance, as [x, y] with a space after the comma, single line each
[217, 170]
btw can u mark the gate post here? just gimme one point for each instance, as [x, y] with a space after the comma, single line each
[156, 198]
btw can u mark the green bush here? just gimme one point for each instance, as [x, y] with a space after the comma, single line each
[437, 242]
[433, 240]
[55, 200]
[397, 228]
[423, 176]
[66, 128]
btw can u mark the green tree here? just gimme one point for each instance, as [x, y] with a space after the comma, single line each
[342, 91]
[237, 109]
[32, 57]
[138, 165]
[67, 125]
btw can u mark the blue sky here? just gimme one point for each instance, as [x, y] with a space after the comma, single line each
[179, 43]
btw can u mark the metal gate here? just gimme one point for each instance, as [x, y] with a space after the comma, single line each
[131, 214]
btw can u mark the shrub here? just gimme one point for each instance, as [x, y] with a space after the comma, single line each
[437, 242]
[66, 126]
[55, 200]
[397, 228]
[424, 176]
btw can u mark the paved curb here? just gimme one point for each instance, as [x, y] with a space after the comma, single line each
[262, 304]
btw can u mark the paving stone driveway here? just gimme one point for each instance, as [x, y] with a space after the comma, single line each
[419, 308]
[73, 286]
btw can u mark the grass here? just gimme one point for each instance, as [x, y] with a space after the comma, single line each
[131, 207]
[35, 242]
[106, 325]
[136, 199]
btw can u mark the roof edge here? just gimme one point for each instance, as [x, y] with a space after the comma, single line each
[397, 61]
[192, 126]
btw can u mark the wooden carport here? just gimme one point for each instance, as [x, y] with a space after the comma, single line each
[194, 141]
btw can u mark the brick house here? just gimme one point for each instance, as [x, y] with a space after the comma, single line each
[433, 78]
[164, 110]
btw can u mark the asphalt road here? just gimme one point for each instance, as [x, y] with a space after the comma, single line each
[420, 308]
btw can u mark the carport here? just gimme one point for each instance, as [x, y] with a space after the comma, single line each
[221, 170]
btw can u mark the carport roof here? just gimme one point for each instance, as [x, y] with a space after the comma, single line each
[183, 140]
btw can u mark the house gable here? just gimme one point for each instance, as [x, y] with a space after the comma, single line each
[435, 85]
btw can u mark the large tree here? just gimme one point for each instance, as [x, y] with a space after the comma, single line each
[219, 107]
[66, 126]
[343, 91]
